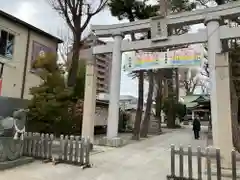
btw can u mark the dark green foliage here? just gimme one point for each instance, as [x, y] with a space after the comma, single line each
[132, 9]
[79, 88]
[51, 109]
[124, 117]
[182, 5]
[180, 110]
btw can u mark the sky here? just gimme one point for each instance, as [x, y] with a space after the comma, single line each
[40, 14]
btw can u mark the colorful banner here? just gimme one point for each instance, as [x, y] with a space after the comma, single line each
[186, 57]
[39, 50]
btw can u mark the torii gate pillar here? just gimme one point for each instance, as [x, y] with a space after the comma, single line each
[220, 91]
[89, 100]
[113, 110]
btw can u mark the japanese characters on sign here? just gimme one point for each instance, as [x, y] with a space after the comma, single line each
[186, 57]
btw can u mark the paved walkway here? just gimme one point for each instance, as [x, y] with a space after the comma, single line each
[148, 159]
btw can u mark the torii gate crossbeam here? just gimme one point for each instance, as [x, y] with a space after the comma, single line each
[219, 64]
[148, 44]
[229, 10]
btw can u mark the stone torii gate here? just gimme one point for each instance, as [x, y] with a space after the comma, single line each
[219, 65]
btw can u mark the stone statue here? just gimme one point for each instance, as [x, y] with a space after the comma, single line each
[11, 135]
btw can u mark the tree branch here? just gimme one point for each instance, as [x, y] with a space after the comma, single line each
[62, 8]
[203, 3]
[91, 14]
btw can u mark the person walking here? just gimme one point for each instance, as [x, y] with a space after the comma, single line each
[196, 127]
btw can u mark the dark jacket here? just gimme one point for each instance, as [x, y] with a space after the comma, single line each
[196, 125]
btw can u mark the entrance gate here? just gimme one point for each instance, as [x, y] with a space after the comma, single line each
[214, 34]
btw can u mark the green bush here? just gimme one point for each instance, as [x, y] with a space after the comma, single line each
[53, 107]
[123, 119]
[179, 108]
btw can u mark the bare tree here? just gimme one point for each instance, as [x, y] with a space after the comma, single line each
[188, 80]
[77, 14]
[64, 48]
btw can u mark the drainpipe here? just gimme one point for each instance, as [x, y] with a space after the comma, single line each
[25, 65]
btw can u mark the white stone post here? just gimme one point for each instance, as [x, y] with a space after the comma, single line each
[162, 116]
[113, 110]
[193, 115]
[220, 91]
[89, 100]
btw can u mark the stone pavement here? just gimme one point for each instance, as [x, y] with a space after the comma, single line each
[148, 159]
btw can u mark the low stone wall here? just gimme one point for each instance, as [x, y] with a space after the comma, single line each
[114, 142]
[11, 153]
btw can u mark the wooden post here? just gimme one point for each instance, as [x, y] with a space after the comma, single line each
[87, 151]
[209, 172]
[46, 147]
[50, 146]
[71, 148]
[218, 161]
[190, 171]
[62, 142]
[29, 144]
[82, 151]
[38, 145]
[42, 146]
[234, 169]
[77, 143]
[181, 165]
[199, 162]
[65, 149]
[25, 150]
[34, 149]
[172, 161]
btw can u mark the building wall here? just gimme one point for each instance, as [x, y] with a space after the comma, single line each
[31, 79]
[13, 71]
[103, 69]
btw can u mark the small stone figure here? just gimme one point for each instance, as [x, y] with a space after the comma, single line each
[13, 126]
[11, 135]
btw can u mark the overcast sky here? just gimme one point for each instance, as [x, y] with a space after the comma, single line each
[40, 14]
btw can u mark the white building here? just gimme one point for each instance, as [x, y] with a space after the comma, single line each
[20, 45]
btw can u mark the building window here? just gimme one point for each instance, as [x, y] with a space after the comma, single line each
[6, 44]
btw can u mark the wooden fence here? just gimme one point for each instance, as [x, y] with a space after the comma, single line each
[212, 160]
[67, 149]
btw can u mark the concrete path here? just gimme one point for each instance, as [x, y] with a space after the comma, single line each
[148, 159]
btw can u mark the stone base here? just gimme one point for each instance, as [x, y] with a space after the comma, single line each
[114, 142]
[15, 163]
[153, 128]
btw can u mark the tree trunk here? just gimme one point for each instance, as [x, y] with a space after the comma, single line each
[176, 99]
[138, 118]
[235, 117]
[147, 115]
[177, 84]
[72, 74]
[171, 100]
[158, 98]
